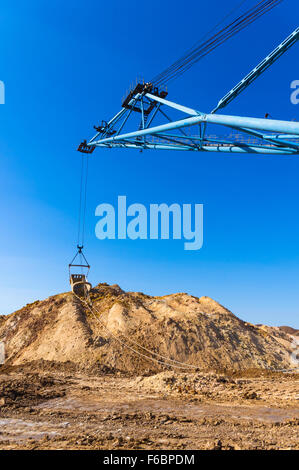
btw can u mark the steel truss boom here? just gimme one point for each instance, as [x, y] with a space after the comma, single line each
[247, 134]
[259, 69]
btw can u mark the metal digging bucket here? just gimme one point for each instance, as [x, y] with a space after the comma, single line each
[80, 285]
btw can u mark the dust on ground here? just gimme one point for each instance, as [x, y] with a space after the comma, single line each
[64, 409]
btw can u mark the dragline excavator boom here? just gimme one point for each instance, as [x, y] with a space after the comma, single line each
[259, 69]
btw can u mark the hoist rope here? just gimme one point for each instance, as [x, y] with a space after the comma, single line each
[216, 40]
[166, 362]
[85, 196]
[202, 38]
[203, 49]
[199, 51]
[82, 199]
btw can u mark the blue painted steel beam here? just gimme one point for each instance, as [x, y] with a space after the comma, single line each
[220, 140]
[112, 121]
[205, 148]
[153, 115]
[280, 136]
[236, 149]
[272, 139]
[170, 139]
[153, 130]
[269, 125]
[179, 107]
[259, 69]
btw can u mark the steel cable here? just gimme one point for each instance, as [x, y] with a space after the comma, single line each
[164, 363]
[82, 200]
[189, 51]
[198, 52]
[250, 15]
[221, 40]
[217, 40]
[169, 362]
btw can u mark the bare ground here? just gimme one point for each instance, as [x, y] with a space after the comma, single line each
[82, 378]
[71, 410]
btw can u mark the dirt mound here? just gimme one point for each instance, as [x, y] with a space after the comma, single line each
[198, 331]
[273, 388]
[29, 390]
[289, 330]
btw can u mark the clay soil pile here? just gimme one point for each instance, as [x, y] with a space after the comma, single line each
[61, 332]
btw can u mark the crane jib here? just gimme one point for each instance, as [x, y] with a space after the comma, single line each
[259, 69]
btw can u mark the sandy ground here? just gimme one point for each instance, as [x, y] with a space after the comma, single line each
[58, 410]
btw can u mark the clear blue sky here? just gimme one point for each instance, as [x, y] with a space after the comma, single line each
[66, 66]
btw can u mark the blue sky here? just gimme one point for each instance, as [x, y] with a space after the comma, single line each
[66, 66]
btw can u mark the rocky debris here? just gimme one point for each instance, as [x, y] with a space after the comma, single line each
[211, 387]
[107, 412]
[31, 389]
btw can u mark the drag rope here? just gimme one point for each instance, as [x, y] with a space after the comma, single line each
[182, 365]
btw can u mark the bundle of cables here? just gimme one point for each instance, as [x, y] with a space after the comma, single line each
[200, 50]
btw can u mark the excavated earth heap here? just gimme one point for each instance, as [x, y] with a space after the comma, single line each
[63, 332]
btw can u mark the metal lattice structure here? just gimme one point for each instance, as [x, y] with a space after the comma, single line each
[146, 109]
